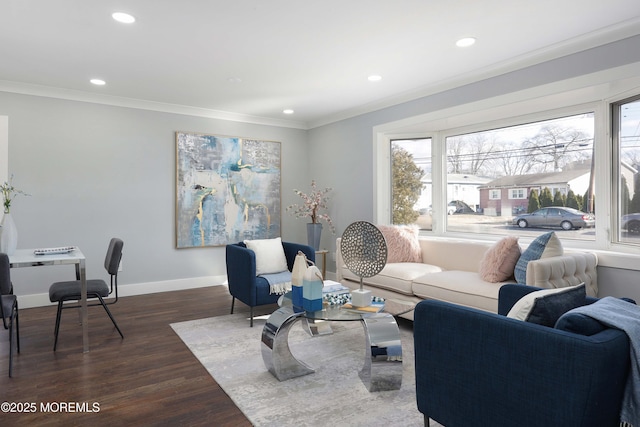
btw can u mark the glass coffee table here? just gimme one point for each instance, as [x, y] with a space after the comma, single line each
[382, 368]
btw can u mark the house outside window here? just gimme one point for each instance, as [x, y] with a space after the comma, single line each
[494, 195]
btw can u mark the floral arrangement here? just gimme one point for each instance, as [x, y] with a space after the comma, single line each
[313, 202]
[8, 193]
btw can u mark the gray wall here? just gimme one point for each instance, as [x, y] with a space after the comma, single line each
[96, 171]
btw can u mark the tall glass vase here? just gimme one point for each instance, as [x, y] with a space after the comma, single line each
[314, 231]
[8, 235]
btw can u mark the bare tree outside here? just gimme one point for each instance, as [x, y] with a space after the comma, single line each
[470, 153]
[548, 147]
[555, 146]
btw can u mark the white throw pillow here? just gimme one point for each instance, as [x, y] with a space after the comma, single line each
[270, 256]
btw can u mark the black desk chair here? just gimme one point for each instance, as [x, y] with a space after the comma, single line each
[8, 306]
[96, 288]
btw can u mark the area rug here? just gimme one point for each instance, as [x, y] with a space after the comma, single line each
[334, 395]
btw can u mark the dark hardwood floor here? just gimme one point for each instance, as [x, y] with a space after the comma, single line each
[149, 378]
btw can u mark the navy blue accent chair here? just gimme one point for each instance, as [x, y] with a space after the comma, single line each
[241, 274]
[475, 369]
[8, 307]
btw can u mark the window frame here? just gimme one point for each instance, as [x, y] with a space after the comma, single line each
[616, 209]
[549, 101]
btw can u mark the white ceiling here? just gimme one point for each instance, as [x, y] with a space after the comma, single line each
[313, 56]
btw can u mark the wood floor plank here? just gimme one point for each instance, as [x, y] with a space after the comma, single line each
[148, 378]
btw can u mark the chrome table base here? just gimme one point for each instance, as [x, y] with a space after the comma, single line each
[275, 345]
[382, 368]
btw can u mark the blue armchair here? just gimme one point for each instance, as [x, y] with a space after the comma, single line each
[475, 368]
[241, 274]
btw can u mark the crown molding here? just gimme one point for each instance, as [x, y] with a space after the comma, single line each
[585, 42]
[116, 101]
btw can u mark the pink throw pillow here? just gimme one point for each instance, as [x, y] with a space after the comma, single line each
[500, 260]
[402, 243]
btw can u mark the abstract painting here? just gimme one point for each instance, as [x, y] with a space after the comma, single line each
[227, 189]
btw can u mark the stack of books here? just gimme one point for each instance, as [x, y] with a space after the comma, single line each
[331, 287]
[375, 307]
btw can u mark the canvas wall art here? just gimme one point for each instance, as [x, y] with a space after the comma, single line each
[227, 189]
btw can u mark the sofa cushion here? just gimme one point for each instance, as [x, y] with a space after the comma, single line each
[500, 260]
[270, 257]
[545, 307]
[396, 277]
[458, 287]
[452, 254]
[544, 246]
[402, 243]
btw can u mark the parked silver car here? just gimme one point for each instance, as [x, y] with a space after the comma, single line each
[631, 223]
[556, 216]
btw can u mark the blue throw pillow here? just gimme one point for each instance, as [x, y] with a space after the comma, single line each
[542, 247]
[578, 323]
[545, 307]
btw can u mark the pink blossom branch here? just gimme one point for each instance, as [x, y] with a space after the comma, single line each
[312, 203]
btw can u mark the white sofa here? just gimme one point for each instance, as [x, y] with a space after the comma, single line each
[449, 272]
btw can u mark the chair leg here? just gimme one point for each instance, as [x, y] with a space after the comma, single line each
[110, 315]
[58, 314]
[17, 329]
[233, 300]
[10, 346]
[251, 323]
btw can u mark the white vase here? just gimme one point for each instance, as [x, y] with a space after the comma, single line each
[8, 235]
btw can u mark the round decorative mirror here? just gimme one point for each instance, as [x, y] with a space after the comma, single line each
[363, 249]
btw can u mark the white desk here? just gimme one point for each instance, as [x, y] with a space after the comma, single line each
[26, 258]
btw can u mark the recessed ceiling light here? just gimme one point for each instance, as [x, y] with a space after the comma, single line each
[288, 111]
[466, 42]
[125, 18]
[98, 82]
[374, 78]
[234, 80]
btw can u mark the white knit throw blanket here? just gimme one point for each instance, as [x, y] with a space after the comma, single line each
[279, 283]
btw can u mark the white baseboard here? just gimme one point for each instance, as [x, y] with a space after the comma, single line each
[41, 300]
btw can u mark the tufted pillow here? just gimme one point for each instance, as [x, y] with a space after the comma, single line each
[499, 261]
[545, 307]
[402, 243]
[270, 256]
[545, 246]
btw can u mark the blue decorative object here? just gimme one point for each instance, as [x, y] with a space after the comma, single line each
[312, 289]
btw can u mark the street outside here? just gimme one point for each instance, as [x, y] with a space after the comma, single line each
[503, 225]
